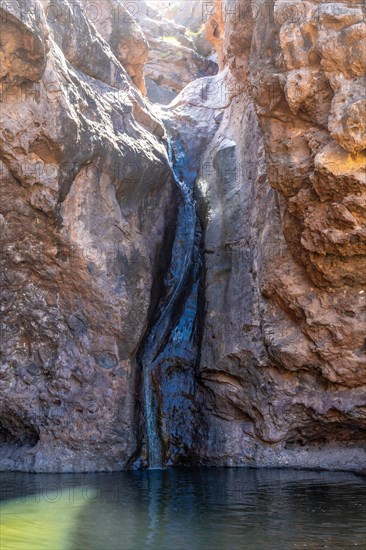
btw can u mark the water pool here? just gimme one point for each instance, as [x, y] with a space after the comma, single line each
[195, 509]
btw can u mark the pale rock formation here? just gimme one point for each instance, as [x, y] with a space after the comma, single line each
[173, 60]
[125, 37]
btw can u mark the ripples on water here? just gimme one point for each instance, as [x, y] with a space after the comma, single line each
[212, 509]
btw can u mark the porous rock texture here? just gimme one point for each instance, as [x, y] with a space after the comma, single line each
[86, 194]
[282, 200]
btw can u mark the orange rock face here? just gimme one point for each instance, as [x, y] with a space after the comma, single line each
[80, 155]
[215, 28]
[283, 358]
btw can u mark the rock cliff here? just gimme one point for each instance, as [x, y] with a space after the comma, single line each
[264, 360]
[86, 198]
[282, 186]
[176, 54]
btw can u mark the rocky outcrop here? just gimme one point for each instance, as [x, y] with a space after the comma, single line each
[189, 13]
[125, 37]
[283, 358]
[86, 197]
[193, 15]
[215, 28]
[174, 59]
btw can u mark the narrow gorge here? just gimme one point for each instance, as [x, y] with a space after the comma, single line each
[183, 221]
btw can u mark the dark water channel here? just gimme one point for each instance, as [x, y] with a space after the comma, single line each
[160, 344]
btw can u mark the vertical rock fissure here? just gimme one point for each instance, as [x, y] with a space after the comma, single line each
[176, 280]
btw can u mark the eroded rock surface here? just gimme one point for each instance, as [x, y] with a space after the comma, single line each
[282, 187]
[174, 58]
[119, 29]
[86, 195]
[283, 352]
[266, 361]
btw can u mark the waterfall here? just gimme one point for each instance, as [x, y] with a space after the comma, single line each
[175, 282]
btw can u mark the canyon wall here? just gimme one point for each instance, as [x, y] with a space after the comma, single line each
[282, 200]
[176, 55]
[264, 360]
[86, 199]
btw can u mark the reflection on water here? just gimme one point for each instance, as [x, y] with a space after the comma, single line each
[45, 520]
[183, 509]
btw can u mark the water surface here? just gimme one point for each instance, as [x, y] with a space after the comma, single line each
[198, 509]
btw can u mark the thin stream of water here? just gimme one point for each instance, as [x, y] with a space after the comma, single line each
[181, 264]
